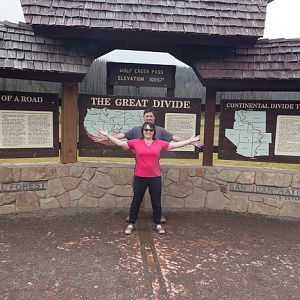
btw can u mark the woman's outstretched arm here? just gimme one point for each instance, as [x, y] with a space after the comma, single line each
[113, 139]
[174, 145]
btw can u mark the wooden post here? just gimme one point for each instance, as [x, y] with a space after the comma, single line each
[69, 111]
[109, 89]
[171, 92]
[209, 126]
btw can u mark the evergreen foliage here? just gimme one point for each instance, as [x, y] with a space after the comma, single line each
[187, 86]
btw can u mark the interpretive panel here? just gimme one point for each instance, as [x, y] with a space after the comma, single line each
[125, 74]
[26, 129]
[121, 113]
[260, 131]
[28, 125]
[183, 124]
[287, 140]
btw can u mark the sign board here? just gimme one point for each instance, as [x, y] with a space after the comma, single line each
[121, 113]
[266, 131]
[28, 124]
[125, 74]
[23, 186]
[279, 193]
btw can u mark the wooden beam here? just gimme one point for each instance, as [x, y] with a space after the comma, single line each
[266, 85]
[69, 111]
[209, 125]
[143, 39]
[41, 75]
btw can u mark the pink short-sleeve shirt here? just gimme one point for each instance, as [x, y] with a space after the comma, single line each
[147, 157]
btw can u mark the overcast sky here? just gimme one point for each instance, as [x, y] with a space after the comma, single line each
[282, 21]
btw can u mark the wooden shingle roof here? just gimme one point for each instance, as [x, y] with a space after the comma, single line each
[268, 59]
[198, 17]
[22, 50]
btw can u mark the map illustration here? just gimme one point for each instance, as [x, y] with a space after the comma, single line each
[114, 121]
[249, 133]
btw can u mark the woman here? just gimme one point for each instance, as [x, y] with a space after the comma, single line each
[147, 171]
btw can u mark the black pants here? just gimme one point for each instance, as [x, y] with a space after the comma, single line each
[140, 185]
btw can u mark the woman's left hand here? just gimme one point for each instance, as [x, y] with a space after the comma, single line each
[198, 143]
[195, 139]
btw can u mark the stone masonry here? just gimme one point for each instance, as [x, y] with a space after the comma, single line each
[185, 187]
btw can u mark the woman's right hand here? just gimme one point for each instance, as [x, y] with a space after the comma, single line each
[111, 138]
[103, 132]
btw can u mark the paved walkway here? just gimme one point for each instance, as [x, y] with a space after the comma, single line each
[205, 255]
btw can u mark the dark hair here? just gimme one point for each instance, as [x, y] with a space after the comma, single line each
[152, 126]
[149, 110]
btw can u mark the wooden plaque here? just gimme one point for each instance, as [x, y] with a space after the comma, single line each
[125, 74]
[266, 131]
[121, 113]
[29, 125]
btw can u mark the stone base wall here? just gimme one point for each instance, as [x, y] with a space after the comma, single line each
[108, 185]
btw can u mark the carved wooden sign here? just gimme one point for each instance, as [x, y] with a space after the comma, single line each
[141, 75]
[121, 113]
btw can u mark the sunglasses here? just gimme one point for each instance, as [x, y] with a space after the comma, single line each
[148, 130]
